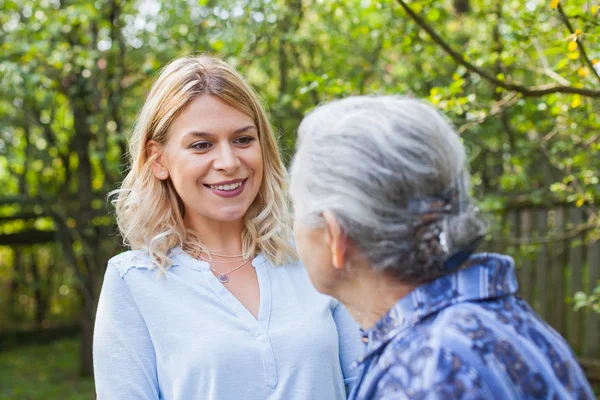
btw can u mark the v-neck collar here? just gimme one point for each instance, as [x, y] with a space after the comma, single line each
[258, 325]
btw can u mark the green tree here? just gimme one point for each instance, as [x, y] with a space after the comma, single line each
[520, 80]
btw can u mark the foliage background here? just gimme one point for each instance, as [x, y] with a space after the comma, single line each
[520, 79]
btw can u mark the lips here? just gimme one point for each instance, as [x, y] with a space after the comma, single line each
[228, 188]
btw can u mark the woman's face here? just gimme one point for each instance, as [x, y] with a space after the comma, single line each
[214, 160]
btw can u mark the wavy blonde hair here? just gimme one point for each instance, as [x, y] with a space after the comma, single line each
[150, 212]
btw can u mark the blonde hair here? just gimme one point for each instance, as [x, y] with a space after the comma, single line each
[149, 211]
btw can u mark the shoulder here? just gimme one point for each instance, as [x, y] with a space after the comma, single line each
[509, 332]
[434, 362]
[131, 259]
[437, 347]
[442, 375]
[466, 346]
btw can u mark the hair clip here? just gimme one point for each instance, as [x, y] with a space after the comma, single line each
[429, 205]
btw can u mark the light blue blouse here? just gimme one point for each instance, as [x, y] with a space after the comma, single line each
[185, 336]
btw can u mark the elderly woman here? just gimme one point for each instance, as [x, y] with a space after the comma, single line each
[384, 224]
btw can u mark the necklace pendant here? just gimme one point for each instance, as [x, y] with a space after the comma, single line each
[223, 278]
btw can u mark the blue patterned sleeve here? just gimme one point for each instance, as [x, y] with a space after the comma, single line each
[430, 369]
[449, 379]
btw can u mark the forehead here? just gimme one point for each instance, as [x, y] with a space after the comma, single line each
[211, 115]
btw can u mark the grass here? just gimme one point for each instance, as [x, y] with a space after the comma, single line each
[44, 372]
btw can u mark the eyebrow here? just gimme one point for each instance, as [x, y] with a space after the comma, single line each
[211, 135]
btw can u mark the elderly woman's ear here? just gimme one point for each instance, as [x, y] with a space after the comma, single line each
[336, 240]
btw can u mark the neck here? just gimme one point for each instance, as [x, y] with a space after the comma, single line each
[369, 295]
[223, 237]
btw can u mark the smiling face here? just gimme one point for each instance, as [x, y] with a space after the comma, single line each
[213, 158]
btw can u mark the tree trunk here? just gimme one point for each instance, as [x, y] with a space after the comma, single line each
[15, 283]
[87, 334]
[40, 301]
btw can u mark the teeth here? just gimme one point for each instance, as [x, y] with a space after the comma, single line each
[226, 187]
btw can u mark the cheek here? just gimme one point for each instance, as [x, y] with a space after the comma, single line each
[254, 160]
[258, 170]
[300, 239]
[313, 253]
[310, 249]
[182, 165]
[192, 169]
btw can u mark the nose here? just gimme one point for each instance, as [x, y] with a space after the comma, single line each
[226, 161]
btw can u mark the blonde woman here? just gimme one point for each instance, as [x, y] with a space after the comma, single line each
[211, 302]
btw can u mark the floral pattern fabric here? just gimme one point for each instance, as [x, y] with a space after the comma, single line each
[467, 335]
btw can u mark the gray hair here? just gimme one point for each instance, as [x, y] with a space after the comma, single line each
[369, 160]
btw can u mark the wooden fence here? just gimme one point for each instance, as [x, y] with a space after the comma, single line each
[555, 257]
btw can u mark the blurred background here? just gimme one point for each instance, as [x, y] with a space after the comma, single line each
[519, 79]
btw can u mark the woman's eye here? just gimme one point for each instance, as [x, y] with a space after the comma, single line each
[201, 146]
[244, 140]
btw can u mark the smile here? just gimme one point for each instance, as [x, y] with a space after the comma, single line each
[228, 189]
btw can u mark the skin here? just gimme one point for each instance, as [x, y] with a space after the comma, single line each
[211, 143]
[337, 269]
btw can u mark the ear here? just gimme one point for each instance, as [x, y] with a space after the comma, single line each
[336, 239]
[155, 153]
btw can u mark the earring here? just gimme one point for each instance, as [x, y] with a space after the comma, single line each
[164, 173]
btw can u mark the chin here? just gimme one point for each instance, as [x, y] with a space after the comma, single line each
[230, 215]
[324, 289]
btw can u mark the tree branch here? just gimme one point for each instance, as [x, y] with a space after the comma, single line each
[580, 45]
[545, 65]
[28, 237]
[458, 58]
[498, 108]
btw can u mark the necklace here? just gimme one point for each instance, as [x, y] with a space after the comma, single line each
[223, 278]
[219, 262]
[221, 255]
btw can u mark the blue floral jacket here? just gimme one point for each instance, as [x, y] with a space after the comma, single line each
[467, 335]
